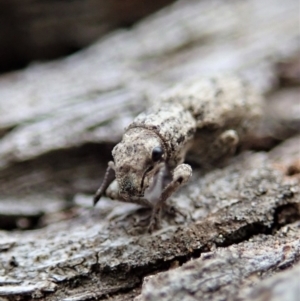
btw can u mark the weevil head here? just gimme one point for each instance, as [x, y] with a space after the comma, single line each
[137, 160]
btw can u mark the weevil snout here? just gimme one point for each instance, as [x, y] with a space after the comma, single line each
[130, 186]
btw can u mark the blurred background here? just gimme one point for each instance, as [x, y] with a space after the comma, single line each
[75, 73]
[43, 30]
[40, 31]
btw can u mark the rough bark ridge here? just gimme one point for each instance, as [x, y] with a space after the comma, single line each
[240, 226]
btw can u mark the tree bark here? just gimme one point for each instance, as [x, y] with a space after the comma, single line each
[59, 121]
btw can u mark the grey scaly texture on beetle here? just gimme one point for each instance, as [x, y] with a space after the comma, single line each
[204, 120]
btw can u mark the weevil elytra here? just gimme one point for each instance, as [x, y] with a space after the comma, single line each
[203, 119]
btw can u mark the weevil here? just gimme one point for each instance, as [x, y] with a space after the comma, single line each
[203, 120]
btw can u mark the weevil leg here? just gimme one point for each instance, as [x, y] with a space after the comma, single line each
[108, 179]
[225, 145]
[141, 201]
[181, 175]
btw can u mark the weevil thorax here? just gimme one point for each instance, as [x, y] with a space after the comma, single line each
[135, 165]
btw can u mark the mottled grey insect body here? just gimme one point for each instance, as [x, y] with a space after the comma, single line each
[205, 119]
[173, 125]
[226, 110]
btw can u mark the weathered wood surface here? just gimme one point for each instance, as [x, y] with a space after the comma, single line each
[59, 121]
[92, 255]
[235, 272]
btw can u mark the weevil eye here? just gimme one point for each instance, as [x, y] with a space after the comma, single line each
[157, 153]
